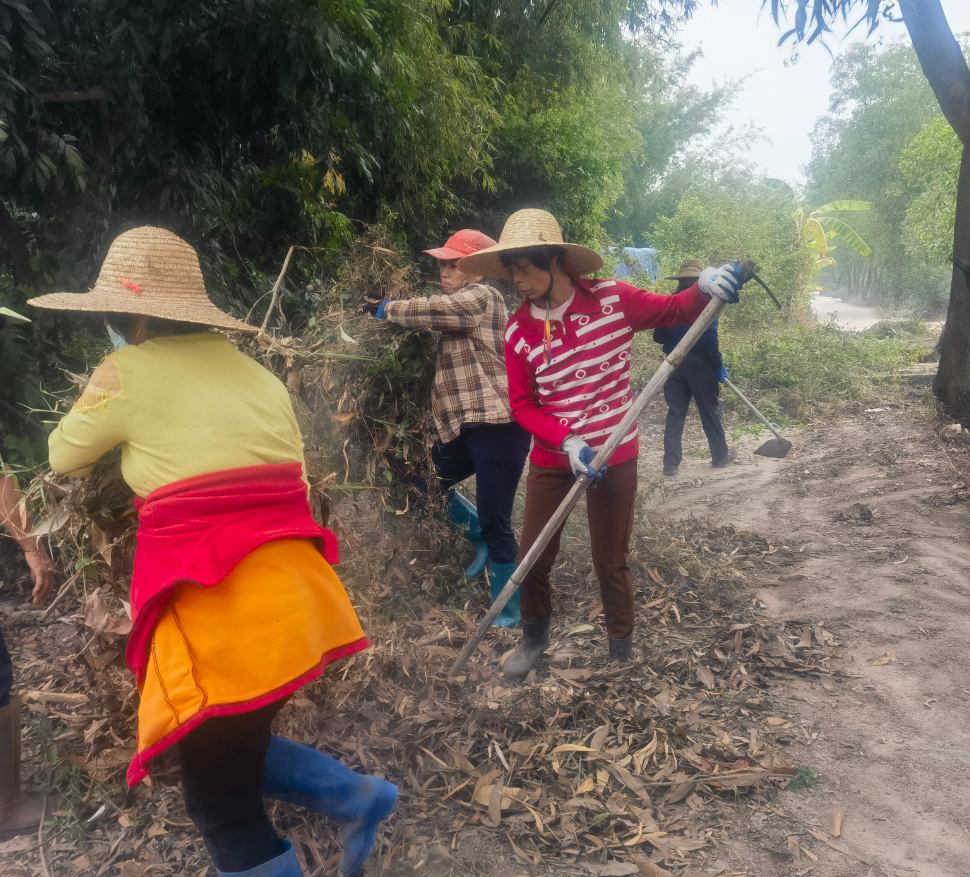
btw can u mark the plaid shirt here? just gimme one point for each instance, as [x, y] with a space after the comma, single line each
[471, 385]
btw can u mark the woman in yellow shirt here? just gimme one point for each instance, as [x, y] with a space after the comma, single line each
[234, 601]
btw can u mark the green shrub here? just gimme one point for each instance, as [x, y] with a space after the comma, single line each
[802, 368]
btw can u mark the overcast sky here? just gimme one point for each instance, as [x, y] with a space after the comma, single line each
[738, 39]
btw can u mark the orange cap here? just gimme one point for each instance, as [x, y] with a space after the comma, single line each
[462, 243]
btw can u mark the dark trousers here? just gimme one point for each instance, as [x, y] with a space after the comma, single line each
[695, 378]
[223, 767]
[495, 453]
[6, 672]
[610, 511]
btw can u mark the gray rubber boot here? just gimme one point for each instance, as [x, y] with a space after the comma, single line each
[535, 640]
[19, 813]
[621, 650]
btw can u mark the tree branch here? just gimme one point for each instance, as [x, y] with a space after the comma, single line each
[942, 61]
[548, 10]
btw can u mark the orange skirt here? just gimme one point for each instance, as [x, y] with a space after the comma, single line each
[270, 627]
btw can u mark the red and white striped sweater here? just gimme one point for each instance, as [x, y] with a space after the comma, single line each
[585, 390]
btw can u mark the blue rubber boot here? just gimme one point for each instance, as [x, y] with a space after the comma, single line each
[501, 573]
[462, 513]
[357, 803]
[285, 865]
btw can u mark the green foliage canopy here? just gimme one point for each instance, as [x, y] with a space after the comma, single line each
[721, 226]
[880, 103]
[250, 125]
[931, 164]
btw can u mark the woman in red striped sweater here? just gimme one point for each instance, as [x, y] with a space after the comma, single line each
[567, 351]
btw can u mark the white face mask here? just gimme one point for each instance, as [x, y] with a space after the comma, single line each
[116, 340]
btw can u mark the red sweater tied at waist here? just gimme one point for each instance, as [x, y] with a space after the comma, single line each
[196, 531]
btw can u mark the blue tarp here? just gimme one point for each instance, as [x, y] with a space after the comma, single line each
[644, 262]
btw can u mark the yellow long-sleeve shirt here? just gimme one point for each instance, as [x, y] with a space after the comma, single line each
[178, 406]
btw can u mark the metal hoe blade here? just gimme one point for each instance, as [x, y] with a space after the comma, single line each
[776, 447]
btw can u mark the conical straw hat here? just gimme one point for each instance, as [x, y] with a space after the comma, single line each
[690, 269]
[148, 272]
[531, 228]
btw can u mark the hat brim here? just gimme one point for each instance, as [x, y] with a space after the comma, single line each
[683, 277]
[197, 310]
[445, 253]
[580, 260]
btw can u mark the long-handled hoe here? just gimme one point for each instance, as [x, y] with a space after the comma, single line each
[647, 395]
[777, 447]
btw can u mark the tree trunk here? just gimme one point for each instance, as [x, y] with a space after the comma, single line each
[946, 69]
[942, 61]
[952, 383]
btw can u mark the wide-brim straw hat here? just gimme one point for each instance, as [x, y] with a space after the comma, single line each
[148, 272]
[690, 269]
[531, 228]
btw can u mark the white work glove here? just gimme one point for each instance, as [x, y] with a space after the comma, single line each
[580, 456]
[723, 282]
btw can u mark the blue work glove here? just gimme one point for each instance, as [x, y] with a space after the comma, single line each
[722, 374]
[723, 282]
[376, 309]
[580, 456]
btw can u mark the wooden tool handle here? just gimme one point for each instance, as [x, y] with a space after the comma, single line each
[754, 410]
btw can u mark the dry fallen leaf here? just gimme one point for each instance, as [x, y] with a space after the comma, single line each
[56, 697]
[706, 676]
[676, 846]
[573, 675]
[599, 737]
[495, 801]
[648, 868]
[820, 835]
[836, 827]
[523, 746]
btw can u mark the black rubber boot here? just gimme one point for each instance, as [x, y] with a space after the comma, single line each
[621, 650]
[727, 461]
[535, 640]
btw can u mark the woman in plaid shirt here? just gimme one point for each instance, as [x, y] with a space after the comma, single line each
[470, 404]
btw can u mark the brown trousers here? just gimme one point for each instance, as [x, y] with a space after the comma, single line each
[610, 511]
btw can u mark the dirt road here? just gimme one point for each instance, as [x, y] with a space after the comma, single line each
[879, 515]
[882, 518]
[848, 316]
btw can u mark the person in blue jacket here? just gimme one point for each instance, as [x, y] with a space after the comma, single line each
[699, 377]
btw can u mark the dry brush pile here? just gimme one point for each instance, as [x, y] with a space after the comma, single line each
[587, 764]
[587, 767]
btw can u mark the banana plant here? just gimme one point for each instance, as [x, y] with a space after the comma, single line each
[819, 227]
